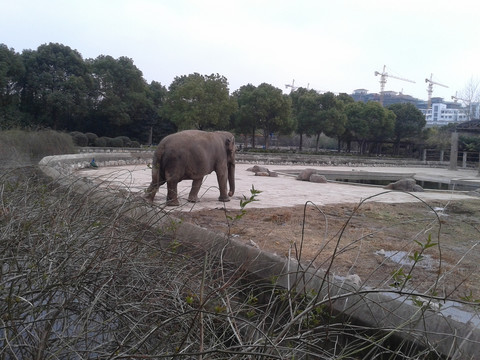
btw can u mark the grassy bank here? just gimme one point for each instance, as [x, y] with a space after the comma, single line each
[19, 147]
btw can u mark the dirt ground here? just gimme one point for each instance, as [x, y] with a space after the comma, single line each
[372, 240]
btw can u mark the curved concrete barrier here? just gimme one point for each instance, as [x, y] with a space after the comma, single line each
[453, 331]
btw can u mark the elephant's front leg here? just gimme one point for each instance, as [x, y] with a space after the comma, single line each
[222, 184]
[172, 196]
[193, 196]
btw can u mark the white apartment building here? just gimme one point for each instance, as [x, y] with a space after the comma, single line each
[440, 115]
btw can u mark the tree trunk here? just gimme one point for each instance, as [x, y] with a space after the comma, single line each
[300, 147]
[316, 145]
[253, 138]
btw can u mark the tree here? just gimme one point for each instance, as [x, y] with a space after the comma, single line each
[200, 102]
[273, 110]
[409, 123]
[356, 128]
[245, 118]
[55, 86]
[121, 104]
[305, 106]
[381, 124]
[11, 72]
[334, 117]
[160, 125]
[329, 118]
[469, 95]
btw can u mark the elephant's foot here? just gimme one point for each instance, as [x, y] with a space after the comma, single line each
[173, 202]
[150, 194]
[193, 199]
[224, 199]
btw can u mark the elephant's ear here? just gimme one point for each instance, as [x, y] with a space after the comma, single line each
[230, 143]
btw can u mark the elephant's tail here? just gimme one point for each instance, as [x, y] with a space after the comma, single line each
[157, 178]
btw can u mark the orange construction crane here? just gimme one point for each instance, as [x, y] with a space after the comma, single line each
[383, 81]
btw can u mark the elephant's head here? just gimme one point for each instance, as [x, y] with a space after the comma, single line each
[230, 148]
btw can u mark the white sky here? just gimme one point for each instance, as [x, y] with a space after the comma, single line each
[328, 45]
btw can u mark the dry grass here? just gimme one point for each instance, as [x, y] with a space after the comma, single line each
[80, 280]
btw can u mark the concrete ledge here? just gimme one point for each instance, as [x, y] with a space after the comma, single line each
[452, 331]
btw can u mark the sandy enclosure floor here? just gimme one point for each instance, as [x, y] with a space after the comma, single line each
[324, 224]
[280, 191]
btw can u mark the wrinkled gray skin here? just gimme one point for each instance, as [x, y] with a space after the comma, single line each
[190, 155]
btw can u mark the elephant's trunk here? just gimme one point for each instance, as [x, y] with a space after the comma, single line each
[231, 178]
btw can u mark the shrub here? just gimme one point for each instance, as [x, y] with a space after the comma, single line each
[80, 139]
[135, 144]
[91, 138]
[116, 142]
[125, 141]
[108, 141]
[25, 147]
[100, 142]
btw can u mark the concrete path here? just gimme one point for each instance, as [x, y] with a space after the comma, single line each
[285, 190]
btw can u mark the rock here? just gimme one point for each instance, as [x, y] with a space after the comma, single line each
[253, 244]
[354, 279]
[417, 188]
[257, 169]
[305, 174]
[406, 184]
[262, 171]
[317, 178]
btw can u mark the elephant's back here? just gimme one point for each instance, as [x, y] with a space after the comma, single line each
[189, 141]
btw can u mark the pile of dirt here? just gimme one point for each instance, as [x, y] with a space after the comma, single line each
[372, 240]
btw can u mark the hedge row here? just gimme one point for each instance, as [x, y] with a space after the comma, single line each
[91, 139]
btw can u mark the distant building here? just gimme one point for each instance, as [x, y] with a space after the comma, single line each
[441, 113]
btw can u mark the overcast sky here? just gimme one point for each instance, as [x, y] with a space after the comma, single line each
[333, 45]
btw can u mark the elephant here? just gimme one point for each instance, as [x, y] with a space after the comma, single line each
[190, 155]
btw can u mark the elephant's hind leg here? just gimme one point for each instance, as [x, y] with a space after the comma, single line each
[193, 196]
[154, 185]
[172, 196]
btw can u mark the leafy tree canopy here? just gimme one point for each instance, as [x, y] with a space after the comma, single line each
[409, 121]
[200, 101]
[11, 72]
[56, 79]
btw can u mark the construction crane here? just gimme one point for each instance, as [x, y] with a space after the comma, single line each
[383, 81]
[467, 103]
[455, 98]
[430, 90]
[292, 86]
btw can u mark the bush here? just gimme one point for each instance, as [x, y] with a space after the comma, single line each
[135, 144]
[100, 142]
[80, 139]
[116, 142]
[108, 141]
[91, 138]
[125, 141]
[26, 147]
